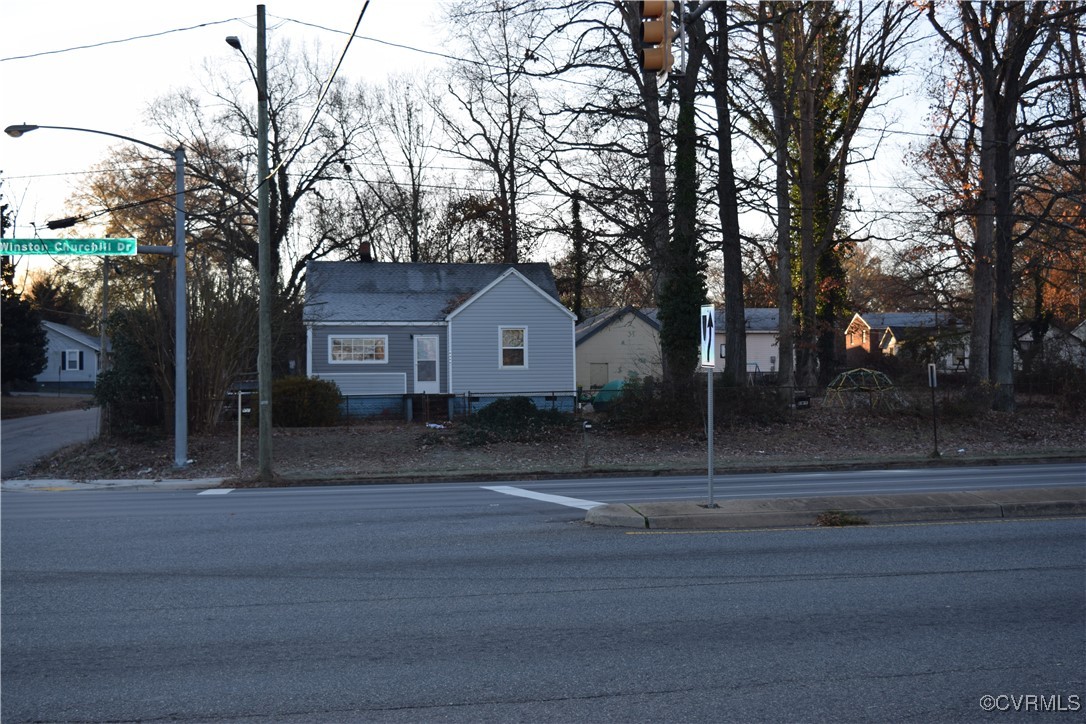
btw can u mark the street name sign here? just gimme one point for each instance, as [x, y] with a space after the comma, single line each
[68, 247]
[708, 336]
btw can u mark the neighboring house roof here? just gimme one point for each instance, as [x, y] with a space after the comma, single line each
[589, 327]
[348, 291]
[73, 334]
[758, 319]
[1080, 331]
[1024, 331]
[905, 320]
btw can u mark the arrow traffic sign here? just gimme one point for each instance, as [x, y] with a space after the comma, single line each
[708, 336]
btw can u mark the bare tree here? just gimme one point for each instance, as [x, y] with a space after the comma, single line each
[491, 116]
[821, 66]
[403, 142]
[1008, 49]
[311, 137]
[735, 331]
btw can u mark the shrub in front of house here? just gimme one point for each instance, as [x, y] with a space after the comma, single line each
[747, 405]
[305, 402]
[1058, 378]
[644, 405]
[511, 419]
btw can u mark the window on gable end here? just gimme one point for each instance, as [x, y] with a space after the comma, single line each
[514, 346]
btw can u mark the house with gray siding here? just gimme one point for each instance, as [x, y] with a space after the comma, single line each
[385, 331]
[71, 358]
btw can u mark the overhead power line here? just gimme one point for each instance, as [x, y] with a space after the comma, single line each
[119, 40]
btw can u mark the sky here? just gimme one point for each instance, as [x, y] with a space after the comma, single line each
[60, 65]
[109, 87]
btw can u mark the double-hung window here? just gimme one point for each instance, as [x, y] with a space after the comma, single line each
[73, 359]
[369, 349]
[514, 347]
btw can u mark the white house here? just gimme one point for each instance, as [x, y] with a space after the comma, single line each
[763, 328]
[72, 358]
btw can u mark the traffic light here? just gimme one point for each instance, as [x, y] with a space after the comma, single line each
[656, 35]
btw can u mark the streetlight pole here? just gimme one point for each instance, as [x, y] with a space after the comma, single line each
[181, 394]
[264, 258]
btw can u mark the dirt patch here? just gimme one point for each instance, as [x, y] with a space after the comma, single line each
[377, 450]
[12, 406]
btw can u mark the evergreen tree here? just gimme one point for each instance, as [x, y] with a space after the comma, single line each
[22, 336]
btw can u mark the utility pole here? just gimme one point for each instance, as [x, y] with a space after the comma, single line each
[263, 362]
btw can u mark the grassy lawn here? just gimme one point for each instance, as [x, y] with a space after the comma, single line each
[24, 405]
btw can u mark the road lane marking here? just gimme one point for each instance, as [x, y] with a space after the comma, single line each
[545, 497]
[216, 491]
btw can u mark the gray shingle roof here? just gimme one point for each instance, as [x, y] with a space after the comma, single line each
[72, 333]
[758, 319]
[348, 291]
[594, 324]
[908, 320]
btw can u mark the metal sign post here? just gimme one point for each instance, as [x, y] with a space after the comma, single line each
[932, 382]
[707, 327]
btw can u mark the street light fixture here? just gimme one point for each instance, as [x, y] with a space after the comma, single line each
[181, 413]
[264, 261]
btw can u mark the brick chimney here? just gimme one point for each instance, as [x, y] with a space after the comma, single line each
[365, 253]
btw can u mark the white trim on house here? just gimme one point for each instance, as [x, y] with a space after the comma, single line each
[433, 387]
[73, 359]
[471, 300]
[435, 323]
[308, 351]
[523, 346]
[62, 330]
[449, 360]
[573, 347]
[388, 383]
[384, 349]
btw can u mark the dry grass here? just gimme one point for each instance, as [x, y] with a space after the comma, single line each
[12, 406]
[380, 450]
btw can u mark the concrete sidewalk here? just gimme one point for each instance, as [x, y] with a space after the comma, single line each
[792, 512]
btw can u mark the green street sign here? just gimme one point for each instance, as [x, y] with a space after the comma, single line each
[80, 247]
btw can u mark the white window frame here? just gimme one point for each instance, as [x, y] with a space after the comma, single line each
[71, 360]
[501, 347]
[338, 337]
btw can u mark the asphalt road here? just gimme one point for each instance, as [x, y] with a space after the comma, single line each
[810, 484]
[25, 439]
[406, 603]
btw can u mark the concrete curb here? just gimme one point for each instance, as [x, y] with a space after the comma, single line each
[48, 485]
[795, 512]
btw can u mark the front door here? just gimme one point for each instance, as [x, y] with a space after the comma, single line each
[427, 380]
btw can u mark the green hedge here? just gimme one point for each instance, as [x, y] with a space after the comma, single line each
[305, 402]
[511, 419]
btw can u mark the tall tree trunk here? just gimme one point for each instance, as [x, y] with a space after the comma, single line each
[806, 338]
[685, 290]
[735, 333]
[1003, 332]
[781, 103]
[658, 202]
[579, 261]
[980, 335]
